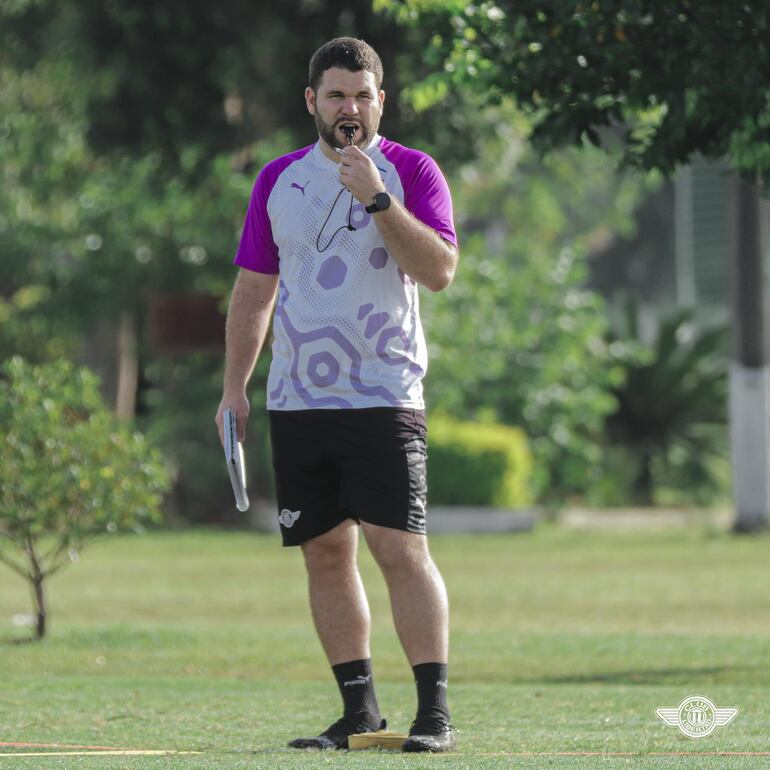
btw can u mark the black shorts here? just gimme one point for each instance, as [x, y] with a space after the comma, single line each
[337, 464]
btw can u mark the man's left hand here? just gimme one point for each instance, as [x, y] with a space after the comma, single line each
[359, 174]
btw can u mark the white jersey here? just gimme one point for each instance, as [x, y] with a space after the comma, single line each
[347, 331]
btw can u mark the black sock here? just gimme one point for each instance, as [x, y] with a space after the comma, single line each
[432, 709]
[354, 679]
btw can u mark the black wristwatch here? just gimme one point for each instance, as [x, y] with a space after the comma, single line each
[381, 202]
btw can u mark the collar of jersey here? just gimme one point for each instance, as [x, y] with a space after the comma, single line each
[325, 162]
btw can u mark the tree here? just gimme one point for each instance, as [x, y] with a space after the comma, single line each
[68, 472]
[518, 337]
[662, 79]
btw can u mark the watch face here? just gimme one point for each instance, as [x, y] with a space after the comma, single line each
[382, 201]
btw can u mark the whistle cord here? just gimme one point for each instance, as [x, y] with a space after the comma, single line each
[348, 226]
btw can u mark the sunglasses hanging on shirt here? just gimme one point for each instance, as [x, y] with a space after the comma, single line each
[348, 131]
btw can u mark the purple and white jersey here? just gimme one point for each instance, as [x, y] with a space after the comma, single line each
[347, 331]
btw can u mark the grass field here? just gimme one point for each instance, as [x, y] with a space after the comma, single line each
[563, 644]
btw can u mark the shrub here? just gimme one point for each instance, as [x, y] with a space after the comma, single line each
[68, 471]
[473, 463]
[671, 418]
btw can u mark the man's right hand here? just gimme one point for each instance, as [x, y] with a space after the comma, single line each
[240, 405]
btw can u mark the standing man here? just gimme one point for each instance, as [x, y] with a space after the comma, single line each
[341, 232]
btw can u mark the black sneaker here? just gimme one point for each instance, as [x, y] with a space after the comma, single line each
[336, 736]
[434, 739]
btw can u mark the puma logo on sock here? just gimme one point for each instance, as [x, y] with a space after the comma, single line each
[359, 680]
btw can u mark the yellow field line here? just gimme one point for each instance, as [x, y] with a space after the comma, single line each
[521, 754]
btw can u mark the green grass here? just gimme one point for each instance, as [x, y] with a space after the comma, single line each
[561, 642]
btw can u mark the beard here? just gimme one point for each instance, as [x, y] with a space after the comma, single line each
[328, 132]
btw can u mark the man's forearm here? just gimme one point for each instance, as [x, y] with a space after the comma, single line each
[248, 321]
[419, 251]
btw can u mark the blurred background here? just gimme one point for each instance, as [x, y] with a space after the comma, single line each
[608, 203]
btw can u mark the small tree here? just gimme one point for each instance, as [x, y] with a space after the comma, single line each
[68, 471]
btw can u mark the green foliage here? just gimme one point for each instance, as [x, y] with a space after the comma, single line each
[158, 78]
[517, 334]
[105, 232]
[178, 402]
[86, 236]
[666, 79]
[68, 470]
[473, 463]
[669, 427]
[121, 174]
[28, 332]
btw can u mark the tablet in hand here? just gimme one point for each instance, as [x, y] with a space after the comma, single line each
[236, 466]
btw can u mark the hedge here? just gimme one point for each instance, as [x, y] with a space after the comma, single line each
[473, 463]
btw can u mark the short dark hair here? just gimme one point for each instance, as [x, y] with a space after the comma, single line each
[349, 53]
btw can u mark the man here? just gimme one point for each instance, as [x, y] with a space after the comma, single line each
[341, 232]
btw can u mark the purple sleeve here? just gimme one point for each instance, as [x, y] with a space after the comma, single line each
[257, 250]
[426, 193]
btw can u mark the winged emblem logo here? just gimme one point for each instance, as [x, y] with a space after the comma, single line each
[697, 716]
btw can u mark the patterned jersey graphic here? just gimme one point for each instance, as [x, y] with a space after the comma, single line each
[347, 331]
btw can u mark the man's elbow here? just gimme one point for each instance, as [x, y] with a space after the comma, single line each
[441, 280]
[445, 276]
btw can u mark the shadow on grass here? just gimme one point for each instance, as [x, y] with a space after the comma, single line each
[653, 676]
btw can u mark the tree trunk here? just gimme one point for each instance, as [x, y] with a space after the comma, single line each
[40, 608]
[643, 480]
[128, 367]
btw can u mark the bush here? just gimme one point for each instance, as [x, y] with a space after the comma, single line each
[68, 471]
[472, 463]
[670, 422]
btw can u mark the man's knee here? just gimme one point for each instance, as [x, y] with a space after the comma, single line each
[333, 550]
[397, 552]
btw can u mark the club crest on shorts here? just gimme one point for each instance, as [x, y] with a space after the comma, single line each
[697, 716]
[287, 517]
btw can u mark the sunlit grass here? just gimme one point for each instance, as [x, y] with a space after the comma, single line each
[561, 641]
